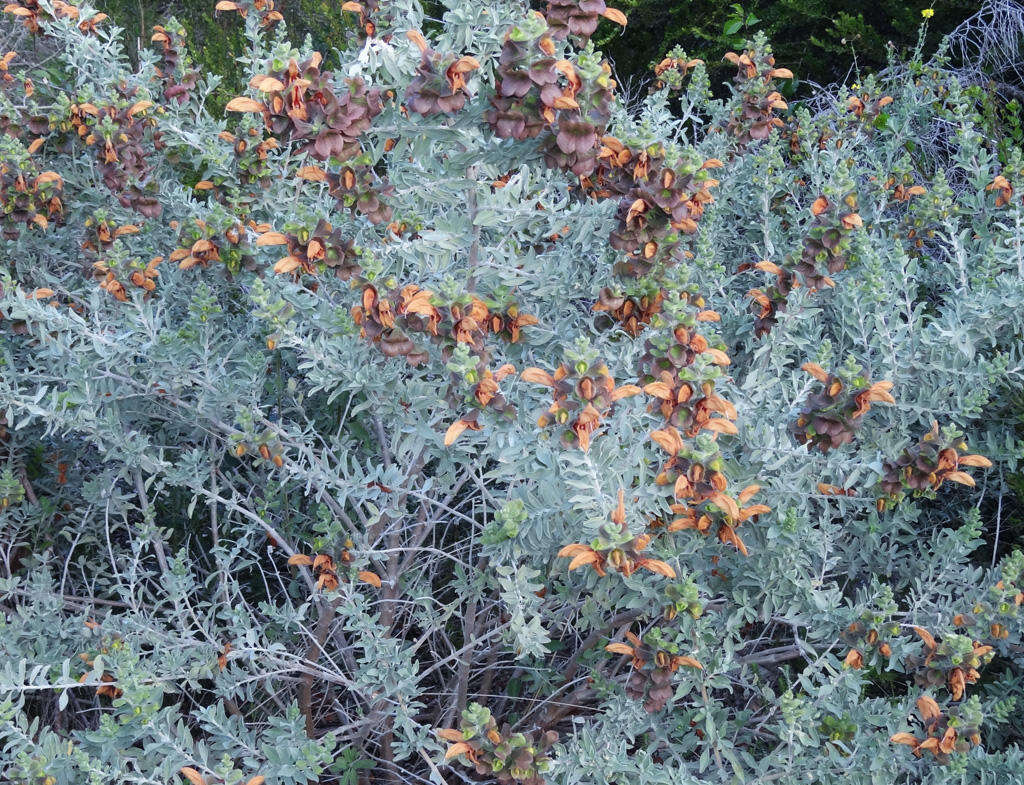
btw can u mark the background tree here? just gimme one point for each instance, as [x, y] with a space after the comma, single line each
[822, 40]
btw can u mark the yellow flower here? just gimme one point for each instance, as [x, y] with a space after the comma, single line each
[928, 13]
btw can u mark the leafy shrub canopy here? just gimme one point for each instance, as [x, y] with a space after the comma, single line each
[434, 418]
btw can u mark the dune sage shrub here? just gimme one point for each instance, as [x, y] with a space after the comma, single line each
[433, 418]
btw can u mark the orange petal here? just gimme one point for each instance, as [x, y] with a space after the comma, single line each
[657, 566]
[928, 708]
[537, 376]
[747, 493]
[371, 578]
[244, 104]
[718, 425]
[584, 558]
[417, 38]
[926, 636]
[312, 173]
[904, 738]
[689, 662]
[615, 16]
[726, 504]
[718, 356]
[266, 84]
[271, 238]
[816, 371]
[625, 391]
[961, 477]
[668, 439]
[453, 432]
[287, 264]
[852, 221]
[948, 742]
[658, 390]
[457, 749]
[974, 460]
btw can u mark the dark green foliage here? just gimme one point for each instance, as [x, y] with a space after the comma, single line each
[821, 40]
[216, 39]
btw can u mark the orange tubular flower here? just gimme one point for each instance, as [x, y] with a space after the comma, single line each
[581, 399]
[621, 552]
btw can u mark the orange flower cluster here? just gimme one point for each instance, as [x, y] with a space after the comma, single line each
[6, 78]
[358, 189]
[826, 243]
[171, 45]
[942, 665]
[942, 737]
[534, 92]
[107, 688]
[142, 276]
[701, 490]
[387, 320]
[103, 234]
[634, 313]
[119, 135]
[768, 303]
[859, 641]
[1002, 604]
[1003, 189]
[325, 569]
[617, 550]
[659, 201]
[579, 18]
[902, 192]
[100, 241]
[653, 684]
[325, 248]
[582, 397]
[439, 86]
[927, 465]
[265, 9]
[828, 240]
[507, 756]
[485, 394]
[28, 200]
[671, 72]
[30, 12]
[754, 118]
[684, 395]
[866, 107]
[267, 446]
[301, 106]
[390, 319]
[250, 160]
[202, 244]
[364, 9]
[832, 415]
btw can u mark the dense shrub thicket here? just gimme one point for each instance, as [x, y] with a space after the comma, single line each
[433, 418]
[213, 38]
[821, 40]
